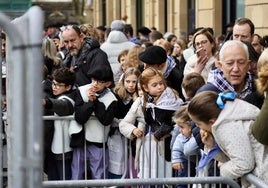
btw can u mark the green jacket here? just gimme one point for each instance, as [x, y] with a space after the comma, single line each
[260, 126]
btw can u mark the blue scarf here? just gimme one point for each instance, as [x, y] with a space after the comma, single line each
[206, 158]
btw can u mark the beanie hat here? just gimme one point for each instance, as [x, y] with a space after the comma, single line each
[153, 55]
[102, 73]
[117, 25]
[144, 30]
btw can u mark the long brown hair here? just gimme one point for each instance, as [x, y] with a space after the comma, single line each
[262, 67]
[203, 106]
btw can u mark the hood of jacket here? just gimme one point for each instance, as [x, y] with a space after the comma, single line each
[117, 37]
[237, 110]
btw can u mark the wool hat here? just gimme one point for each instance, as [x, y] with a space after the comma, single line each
[153, 55]
[117, 25]
[101, 73]
[144, 30]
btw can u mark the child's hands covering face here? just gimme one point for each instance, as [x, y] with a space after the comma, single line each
[91, 94]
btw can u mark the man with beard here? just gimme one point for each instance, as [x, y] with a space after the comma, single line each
[83, 53]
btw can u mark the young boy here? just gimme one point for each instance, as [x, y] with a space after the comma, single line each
[190, 84]
[184, 145]
[63, 104]
[95, 107]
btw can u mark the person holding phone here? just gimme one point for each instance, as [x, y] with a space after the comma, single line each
[204, 58]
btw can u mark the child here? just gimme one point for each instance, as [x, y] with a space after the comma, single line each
[159, 104]
[133, 127]
[184, 146]
[190, 84]
[121, 58]
[95, 108]
[126, 92]
[62, 86]
[227, 121]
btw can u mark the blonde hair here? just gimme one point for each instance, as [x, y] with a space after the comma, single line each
[262, 67]
[90, 31]
[164, 44]
[49, 50]
[132, 59]
[121, 91]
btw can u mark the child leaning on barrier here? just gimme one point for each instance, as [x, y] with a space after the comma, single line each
[226, 130]
[184, 146]
[95, 108]
[159, 104]
[126, 92]
[63, 104]
[132, 126]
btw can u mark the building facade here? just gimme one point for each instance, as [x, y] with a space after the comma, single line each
[177, 16]
[181, 16]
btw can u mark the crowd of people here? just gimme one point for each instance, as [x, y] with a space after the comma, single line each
[203, 96]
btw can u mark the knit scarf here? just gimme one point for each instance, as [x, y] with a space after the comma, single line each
[167, 101]
[217, 78]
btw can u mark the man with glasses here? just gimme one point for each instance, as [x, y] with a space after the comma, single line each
[83, 53]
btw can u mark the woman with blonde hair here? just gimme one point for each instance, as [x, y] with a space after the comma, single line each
[132, 59]
[260, 126]
[90, 31]
[49, 51]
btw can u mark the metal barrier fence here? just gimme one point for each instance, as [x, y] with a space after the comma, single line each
[140, 182]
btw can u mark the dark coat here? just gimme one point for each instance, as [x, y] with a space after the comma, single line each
[89, 56]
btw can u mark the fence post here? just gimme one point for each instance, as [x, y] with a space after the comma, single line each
[23, 98]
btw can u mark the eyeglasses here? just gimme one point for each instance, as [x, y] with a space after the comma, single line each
[203, 42]
[57, 86]
[97, 81]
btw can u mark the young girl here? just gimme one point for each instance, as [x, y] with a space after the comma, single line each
[159, 104]
[229, 121]
[133, 126]
[121, 58]
[126, 92]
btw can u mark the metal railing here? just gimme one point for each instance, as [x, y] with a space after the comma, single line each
[130, 181]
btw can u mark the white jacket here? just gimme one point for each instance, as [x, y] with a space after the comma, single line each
[61, 139]
[232, 132]
[115, 43]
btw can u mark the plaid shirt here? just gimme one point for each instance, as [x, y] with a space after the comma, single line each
[217, 78]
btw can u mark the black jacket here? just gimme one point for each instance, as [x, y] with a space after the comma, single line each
[89, 56]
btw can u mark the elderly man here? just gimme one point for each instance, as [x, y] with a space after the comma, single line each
[232, 73]
[83, 53]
